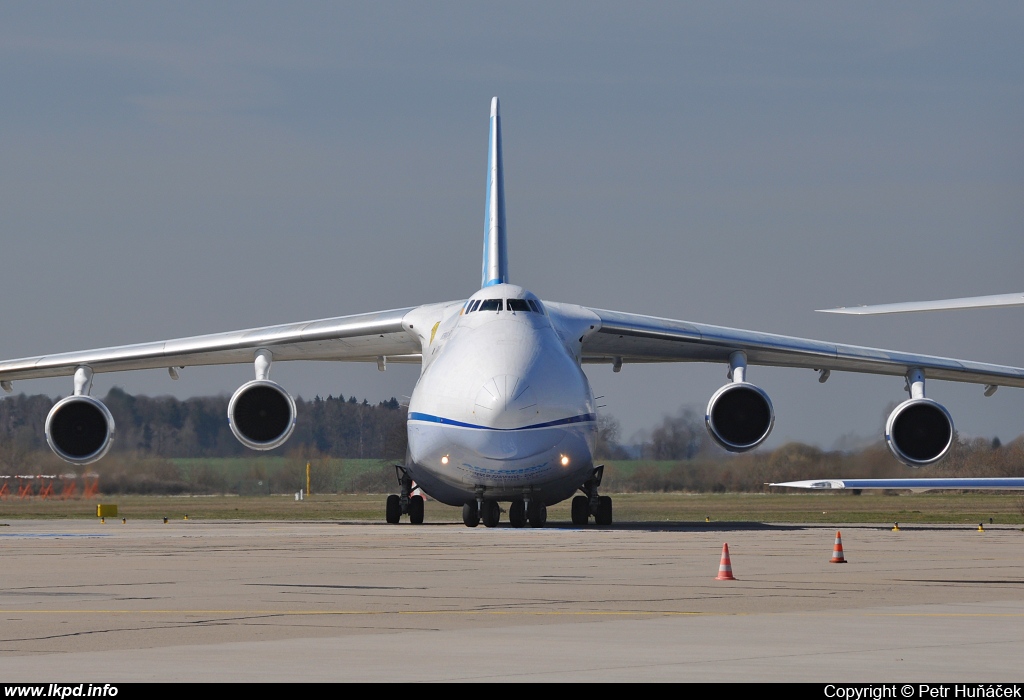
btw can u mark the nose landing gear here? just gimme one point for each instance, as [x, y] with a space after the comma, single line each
[470, 514]
[475, 512]
[521, 512]
[528, 510]
[536, 513]
[490, 514]
[517, 514]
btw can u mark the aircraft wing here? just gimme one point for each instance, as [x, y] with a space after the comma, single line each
[362, 337]
[623, 337]
[985, 302]
[965, 484]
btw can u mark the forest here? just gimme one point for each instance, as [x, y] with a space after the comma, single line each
[169, 445]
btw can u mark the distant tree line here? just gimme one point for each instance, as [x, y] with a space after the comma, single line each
[696, 464]
[677, 455]
[198, 427]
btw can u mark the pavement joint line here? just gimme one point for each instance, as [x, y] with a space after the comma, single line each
[509, 613]
[580, 613]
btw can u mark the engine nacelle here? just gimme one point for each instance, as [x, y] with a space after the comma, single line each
[261, 414]
[740, 416]
[79, 429]
[919, 432]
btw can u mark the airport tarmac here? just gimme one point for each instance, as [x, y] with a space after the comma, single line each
[286, 601]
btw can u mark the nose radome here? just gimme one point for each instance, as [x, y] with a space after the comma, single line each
[505, 401]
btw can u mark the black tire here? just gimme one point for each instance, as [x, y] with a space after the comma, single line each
[416, 510]
[393, 509]
[604, 511]
[517, 514]
[537, 514]
[580, 510]
[470, 514]
[491, 514]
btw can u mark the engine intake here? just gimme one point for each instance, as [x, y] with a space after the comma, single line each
[919, 432]
[740, 416]
[261, 414]
[79, 429]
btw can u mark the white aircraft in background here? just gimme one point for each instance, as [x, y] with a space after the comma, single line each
[959, 484]
[502, 410]
[985, 302]
[1011, 483]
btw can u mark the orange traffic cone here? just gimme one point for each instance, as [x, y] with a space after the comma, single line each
[725, 567]
[837, 551]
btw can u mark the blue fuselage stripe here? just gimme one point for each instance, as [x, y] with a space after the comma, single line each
[427, 418]
[950, 483]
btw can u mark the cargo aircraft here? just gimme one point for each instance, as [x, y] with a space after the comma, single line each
[502, 411]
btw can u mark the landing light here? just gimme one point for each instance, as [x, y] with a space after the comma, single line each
[444, 460]
[565, 461]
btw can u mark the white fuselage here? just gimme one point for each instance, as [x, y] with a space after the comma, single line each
[502, 409]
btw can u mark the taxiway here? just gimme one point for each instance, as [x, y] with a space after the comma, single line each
[268, 601]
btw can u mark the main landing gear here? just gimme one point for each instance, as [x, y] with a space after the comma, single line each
[405, 503]
[591, 503]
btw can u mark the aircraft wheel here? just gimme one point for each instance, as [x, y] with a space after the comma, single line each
[580, 510]
[537, 514]
[491, 514]
[393, 509]
[517, 514]
[416, 510]
[604, 511]
[470, 514]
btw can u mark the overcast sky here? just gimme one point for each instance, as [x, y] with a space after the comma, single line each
[172, 169]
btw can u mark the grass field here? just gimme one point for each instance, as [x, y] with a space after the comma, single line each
[967, 508]
[262, 475]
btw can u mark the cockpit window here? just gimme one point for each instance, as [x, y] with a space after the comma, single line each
[526, 305]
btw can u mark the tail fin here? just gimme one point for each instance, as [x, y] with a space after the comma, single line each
[495, 266]
[986, 302]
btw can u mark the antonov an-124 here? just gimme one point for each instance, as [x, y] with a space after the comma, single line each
[502, 411]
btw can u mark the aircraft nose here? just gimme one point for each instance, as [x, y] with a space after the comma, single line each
[505, 404]
[506, 401]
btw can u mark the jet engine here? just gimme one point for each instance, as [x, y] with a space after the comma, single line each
[919, 432]
[261, 414]
[740, 416]
[79, 429]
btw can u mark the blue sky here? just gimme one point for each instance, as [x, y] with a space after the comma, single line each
[176, 169]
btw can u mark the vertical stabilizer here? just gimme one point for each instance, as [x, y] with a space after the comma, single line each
[495, 267]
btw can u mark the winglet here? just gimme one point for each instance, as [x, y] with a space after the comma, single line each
[495, 263]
